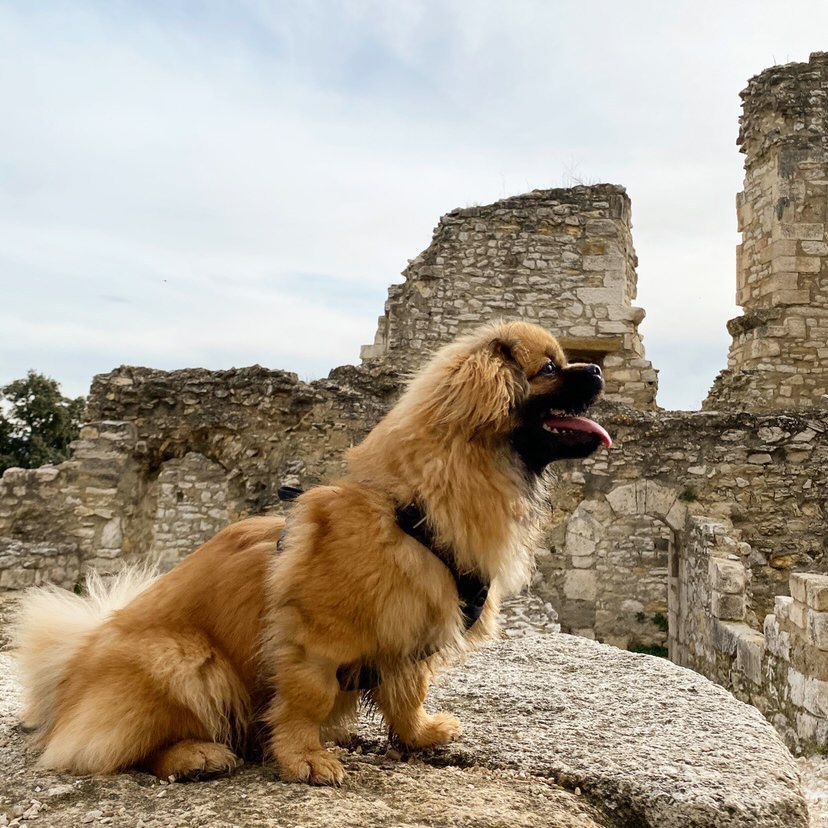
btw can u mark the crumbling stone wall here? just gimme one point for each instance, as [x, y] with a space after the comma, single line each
[782, 668]
[171, 457]
[618, 518]
[562, 258]
[779, 354]
[57, 519]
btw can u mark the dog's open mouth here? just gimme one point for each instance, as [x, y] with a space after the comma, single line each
[577, 430]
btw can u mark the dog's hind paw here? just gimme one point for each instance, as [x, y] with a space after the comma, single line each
[191, 761]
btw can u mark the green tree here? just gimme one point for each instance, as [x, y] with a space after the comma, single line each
[37, 423]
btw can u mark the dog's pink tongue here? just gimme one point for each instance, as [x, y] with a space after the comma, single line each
[580, 424]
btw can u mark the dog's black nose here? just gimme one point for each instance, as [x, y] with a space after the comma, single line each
[594, 369]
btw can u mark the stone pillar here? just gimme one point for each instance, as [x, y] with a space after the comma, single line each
[779, 354]
[561, 258]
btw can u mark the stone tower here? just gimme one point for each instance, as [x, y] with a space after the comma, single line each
[561, 258]
[779, 354]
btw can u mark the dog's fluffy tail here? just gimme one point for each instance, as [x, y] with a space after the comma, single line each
[52, 623]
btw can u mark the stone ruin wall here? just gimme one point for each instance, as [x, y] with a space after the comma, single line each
[619, 518]
[561, 258]
[169, 458]
[782, 668]
[779, 354]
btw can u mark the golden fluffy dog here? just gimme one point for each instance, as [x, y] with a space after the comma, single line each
[378, 578]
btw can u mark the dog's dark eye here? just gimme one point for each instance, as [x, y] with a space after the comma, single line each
[549, 370]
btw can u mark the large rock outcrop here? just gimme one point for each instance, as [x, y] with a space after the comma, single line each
[559, 731]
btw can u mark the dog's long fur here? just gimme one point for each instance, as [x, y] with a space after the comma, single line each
[180, 674]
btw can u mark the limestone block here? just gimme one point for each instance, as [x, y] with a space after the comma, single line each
[782, 607]
[727, 577]
[605, 262]
[798, 582]
[677, 516]
[725, 635]
[609, 327]
[623, 499]
[642, 497]
[580, 585]
[793, 297]
[799, 230]
[778, 248]
[111, 535]
[795, 327]
[658, 499]
[601, 227]
[798, 613]
[750, 649]
[588, 520]
[17, 578]
[808, 264]
[597, 296]
[818, 629]
[807, 692]
[727, 607]
[777, 641]
[816, 591]
[810, 728]
[578, 544]
[784, 264]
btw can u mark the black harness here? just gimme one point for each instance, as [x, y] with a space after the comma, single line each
[472, 590]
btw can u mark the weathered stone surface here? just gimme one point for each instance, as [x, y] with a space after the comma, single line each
[727, 576]
[727, 607]
[818, 629]
[644, 743]
[670, 757]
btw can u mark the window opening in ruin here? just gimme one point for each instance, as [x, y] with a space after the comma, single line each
[595, 357]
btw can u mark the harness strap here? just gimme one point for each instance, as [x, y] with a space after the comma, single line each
[471, 588]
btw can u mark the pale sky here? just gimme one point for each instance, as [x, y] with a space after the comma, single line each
[219, 184]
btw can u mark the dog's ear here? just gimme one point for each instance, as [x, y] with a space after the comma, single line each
[485, 387]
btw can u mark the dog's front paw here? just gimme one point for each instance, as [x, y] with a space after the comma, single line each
[439, 729]
[319, 767]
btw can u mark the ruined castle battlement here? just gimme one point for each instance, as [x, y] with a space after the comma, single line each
[779, 354]
[562, 258]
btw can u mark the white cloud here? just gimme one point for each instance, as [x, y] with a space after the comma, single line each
[170, 175]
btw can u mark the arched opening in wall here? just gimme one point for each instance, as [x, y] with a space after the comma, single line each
[632, 565]
[182, 498]
[619, 554]
[190, 499]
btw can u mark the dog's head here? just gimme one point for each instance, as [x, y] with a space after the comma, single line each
[512, 381]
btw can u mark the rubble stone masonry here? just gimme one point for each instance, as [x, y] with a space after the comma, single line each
[561, 258]
[779, 354]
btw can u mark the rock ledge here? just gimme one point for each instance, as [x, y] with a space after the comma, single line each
[559, 731]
